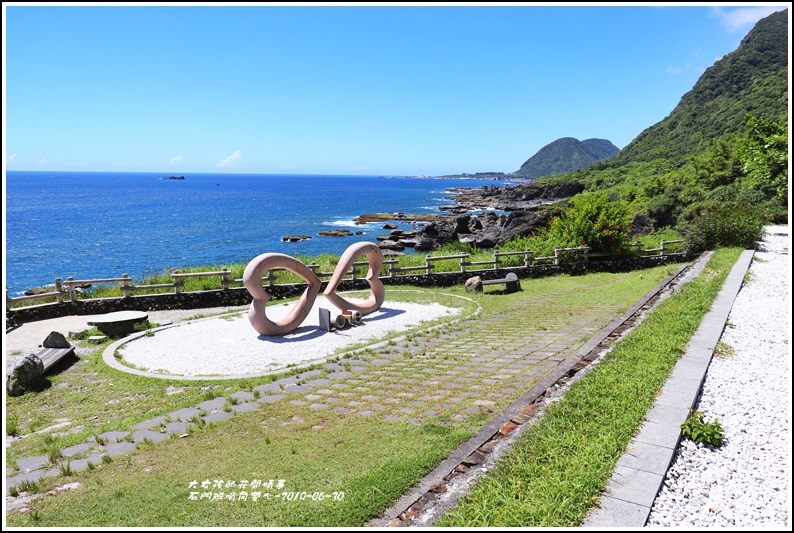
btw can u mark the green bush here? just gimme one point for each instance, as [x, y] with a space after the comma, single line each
[723, 226]
[593, 221]
[696, 429]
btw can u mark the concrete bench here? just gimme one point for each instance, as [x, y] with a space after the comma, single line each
[510, 281]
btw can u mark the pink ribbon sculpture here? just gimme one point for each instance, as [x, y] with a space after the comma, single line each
[252, 279]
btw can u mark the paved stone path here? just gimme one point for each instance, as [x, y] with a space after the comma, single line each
[466, 370]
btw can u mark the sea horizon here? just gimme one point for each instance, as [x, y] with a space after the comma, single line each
[102, 224]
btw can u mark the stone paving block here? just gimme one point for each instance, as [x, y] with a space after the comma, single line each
[340, 409]
[392, 418]
[294, 389]
[679, 393]
[27, 464]
[270, 398]
[647, 457]
[111, 436]
[183, 414]
[298, 402]
[309, 374]
[286, 381]
[318, 382]
[242, 396]
[616, 513]
[245, 407]
[211, 405]
[339, 374]
[269, 387]
[79, 465]
[634, 486]
[33, 476]
[75, 450]
[149, 424]
[153, 436]
[366, 413]
[324, 391]
[217, 416]
[177, 428]
[313, 397]
[319, 406]
[116, 448]
[332, 399]
[377, 407]
[380, 362]
[660, 420]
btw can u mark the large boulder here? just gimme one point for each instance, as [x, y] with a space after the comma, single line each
[25, 375]
[56, 340]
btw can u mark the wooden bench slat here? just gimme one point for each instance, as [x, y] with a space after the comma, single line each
[51, 356]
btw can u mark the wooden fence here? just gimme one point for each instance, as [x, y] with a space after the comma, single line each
[69, 287]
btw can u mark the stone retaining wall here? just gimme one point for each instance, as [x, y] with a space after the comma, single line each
[240, 296]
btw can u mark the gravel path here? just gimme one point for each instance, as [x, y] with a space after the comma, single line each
[746, 482]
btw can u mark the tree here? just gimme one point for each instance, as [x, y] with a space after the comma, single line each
[764, 156]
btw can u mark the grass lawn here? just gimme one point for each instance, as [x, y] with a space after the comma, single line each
[359, 465]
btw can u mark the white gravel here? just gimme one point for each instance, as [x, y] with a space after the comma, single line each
[226, 347]
[747, 482]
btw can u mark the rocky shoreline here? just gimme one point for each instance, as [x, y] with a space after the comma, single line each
[486, 217]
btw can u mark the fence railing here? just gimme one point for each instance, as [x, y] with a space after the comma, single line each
[69, 288]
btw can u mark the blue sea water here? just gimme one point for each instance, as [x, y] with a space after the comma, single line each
[102, 225]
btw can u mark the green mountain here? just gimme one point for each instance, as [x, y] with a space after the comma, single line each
[752, 79]
[564, 155]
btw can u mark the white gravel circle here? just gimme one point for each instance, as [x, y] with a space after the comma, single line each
[230, 346]
[746, 482]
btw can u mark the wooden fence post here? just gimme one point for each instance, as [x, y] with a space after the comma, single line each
[496, 258]
[71, 289]
[125, 286]
[224, 279]
[58, 288]
[428, 265]
[463, 257]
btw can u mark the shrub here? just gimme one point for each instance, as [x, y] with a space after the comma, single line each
[593, 221]
[722, 226]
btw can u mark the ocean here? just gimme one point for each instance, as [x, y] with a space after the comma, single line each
[92, 225]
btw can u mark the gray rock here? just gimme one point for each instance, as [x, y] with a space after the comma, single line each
[56, 340]
[24, 375]
[473, 284]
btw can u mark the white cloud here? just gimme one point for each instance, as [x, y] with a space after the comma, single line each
[44, 161]
[230, 160]
[678, 70]
[741, 19]
[175, 160]
[11, 157]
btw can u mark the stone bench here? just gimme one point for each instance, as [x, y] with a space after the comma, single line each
[27, 373]
[510, 281]
[119, 323]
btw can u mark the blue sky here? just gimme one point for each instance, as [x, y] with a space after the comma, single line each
[343, 89]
